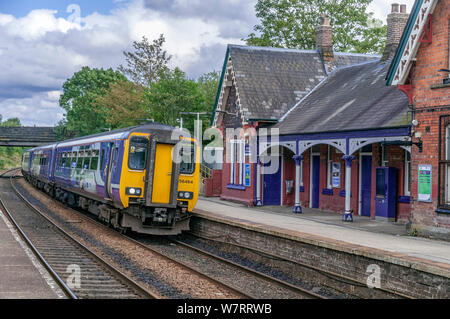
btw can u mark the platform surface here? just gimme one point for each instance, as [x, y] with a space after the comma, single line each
[378, 239]
[21, 274]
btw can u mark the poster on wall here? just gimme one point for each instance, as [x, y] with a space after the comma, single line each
[336, 175]
[247, 175]
[424, 181]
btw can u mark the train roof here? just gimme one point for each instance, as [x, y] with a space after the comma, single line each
[161, 130]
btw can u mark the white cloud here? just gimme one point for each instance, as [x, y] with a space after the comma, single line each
[381, 8]
[40, 51]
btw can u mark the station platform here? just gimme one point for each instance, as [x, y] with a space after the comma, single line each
[379, 240]
[21, 274]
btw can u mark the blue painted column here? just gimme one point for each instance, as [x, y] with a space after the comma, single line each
[258, 183]
[348, 217]
[298, 162]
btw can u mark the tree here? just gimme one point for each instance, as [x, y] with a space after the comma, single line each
[11, 122]
[123, 104]
[10, 156]
[172, 94]
[292, 23]
[148, 63]
[79, 94]
[208, 84]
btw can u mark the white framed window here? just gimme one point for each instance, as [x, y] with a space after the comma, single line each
[232, 161]
[237, 161]
[447, 168]
[384, 156]
[329, 167]
[407, 171]
[301, 173]
[241, 160]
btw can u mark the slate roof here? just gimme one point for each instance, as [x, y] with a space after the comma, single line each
[351, 98]
[271, 80]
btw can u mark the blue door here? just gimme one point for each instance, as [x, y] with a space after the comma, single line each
[315, 181]
[272, 186]
[366, 184]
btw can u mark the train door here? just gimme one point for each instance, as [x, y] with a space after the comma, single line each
[107, 168]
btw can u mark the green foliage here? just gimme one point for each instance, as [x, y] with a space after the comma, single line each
[208, 83]
[10, 156]
[123, 104]
[292, 23]
[172, 94]
[79, 94]
[148, 63]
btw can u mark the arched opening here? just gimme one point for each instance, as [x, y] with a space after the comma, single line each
[277, 176]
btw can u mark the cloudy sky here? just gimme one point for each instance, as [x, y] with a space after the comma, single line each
[43, 42]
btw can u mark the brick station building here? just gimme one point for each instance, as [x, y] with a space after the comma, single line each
[420, 69]
[257, 87]
[340, 132]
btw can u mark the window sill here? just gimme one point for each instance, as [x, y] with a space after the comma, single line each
[234, 186]
[440, 86]
[443, 211]
[404, 199]
[342, 193]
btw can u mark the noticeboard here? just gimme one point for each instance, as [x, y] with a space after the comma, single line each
[336, 175]
[247, 175]
[425, 182]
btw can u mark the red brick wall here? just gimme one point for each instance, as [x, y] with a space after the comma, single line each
[242, 196]
[336, 203]
[213, 185]
[430, 58]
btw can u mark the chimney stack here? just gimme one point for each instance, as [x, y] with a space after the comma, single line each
[324, 41]
[396, 22]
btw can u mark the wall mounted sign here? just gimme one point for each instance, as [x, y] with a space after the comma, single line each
[425, 179]
[247, 175]
[336, 175]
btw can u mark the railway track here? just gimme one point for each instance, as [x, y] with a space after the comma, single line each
[148, 248]
[296, 289]
[79, 272]
[346, 280]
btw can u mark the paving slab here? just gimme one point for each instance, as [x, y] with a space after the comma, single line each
[21, 274]
[381, 240]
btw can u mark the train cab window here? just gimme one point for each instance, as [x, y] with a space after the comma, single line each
[187, 165]
[137, 153]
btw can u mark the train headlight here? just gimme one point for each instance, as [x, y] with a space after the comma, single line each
[134, 191]
[186, 195]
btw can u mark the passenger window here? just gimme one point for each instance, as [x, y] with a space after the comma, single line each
[94, 163]
[80, 162]
[137, 154]
[86, 163]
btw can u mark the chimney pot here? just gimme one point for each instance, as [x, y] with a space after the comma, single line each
[395, 7]
[324, 20]
[396, 22]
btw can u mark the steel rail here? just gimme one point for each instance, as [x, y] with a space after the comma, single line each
[344, 279]
[59, 281]
[114, 271]
[147, 247]
[253, 272]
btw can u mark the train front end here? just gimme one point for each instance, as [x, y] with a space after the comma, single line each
[158, 192]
